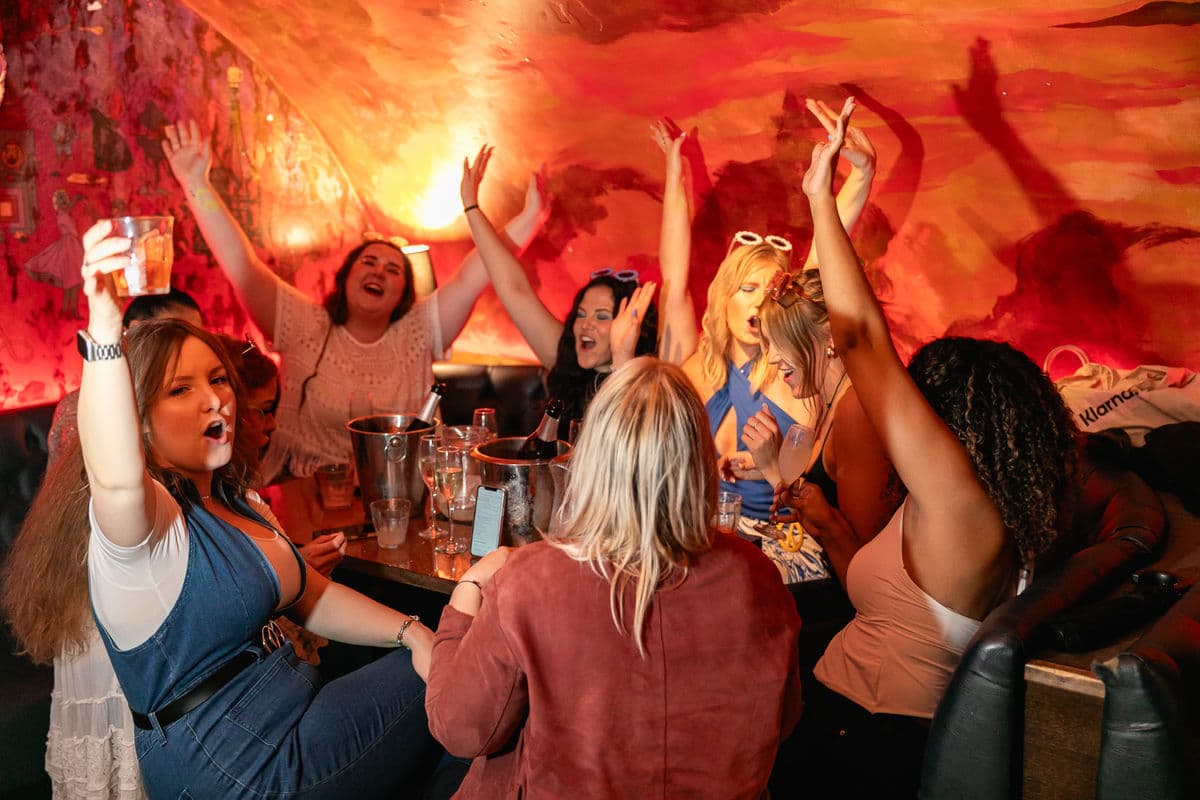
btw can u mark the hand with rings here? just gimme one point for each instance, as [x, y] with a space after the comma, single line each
[762, 438]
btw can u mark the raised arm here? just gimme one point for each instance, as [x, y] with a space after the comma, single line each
[109, 427]
[930, 460]
[190, 157]
[860, 153]
[627, 323]
[493, 258]
[677, 336]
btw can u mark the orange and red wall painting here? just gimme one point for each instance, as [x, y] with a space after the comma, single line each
[1038, 169]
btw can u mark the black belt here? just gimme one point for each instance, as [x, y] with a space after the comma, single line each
[206, 689]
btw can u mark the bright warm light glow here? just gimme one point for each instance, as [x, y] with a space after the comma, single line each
[423, 191]
[440, 205]
[297, 237]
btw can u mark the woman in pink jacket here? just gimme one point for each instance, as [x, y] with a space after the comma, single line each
[638, 653]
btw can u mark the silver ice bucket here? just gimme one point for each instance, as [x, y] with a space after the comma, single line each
[386, 457]
[533, 488]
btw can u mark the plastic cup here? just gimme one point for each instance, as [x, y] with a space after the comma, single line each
[335, 484]
[151, 254]
[390, 517]
[729, 512]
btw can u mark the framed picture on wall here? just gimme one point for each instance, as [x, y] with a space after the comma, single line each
[18, 205]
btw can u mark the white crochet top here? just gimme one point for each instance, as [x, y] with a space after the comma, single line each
[395, 372]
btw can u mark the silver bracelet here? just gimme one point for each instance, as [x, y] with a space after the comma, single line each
[404, 628]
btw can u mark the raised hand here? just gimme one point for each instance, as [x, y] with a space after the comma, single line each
[670, 140]
[472, 176]
[103, 254]
[188, 153]
[979, 102]
[537, 200]
[857, 148]
[818, 180]
[627, 324]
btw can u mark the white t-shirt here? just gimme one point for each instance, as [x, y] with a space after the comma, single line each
[134, 588]
[396, 371]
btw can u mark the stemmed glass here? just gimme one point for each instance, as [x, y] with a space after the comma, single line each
[427, 454]
[486, 418]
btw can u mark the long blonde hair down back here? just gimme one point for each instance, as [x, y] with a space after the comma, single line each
[642, 488]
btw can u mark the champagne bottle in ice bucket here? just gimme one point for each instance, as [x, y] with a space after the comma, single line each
[424, 418]
[542, 444]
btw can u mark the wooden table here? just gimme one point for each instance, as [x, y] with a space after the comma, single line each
[414, 563]
[1064, 700]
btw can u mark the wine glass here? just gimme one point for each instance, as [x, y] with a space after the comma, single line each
[486, 418]
[427, 456]
[450, 476]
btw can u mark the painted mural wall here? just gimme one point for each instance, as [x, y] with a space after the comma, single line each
[1038, 166]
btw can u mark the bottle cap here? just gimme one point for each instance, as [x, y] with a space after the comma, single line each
[438, 388]
[555, 408]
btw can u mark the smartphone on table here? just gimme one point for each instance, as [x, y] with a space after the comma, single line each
[489, 518]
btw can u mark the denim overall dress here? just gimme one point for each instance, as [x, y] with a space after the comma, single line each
[273, 730]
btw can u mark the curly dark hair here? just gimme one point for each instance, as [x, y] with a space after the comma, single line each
[571, 383]
[1015, 427]
[335, 303]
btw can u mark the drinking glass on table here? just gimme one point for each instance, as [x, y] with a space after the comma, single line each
[449, 477]
[390, 518]
[427, 456]
[729, 511]
[486, 418]
[450, 557]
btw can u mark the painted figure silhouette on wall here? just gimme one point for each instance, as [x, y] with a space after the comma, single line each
[58, 264]
[1066, 288]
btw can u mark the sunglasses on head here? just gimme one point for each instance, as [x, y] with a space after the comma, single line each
[623, 275]
[251, 346]
[786, 288]
[750, 239]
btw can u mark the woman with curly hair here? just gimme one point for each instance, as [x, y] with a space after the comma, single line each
[985, 446]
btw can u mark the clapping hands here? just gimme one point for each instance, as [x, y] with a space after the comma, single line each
[818, 180]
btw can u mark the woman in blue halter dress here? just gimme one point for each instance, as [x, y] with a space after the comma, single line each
[727, 364]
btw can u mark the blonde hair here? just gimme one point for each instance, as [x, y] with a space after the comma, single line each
[801, 332]
[642, 488]
[715, 337]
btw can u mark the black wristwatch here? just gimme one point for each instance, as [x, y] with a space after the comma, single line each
[96, 352]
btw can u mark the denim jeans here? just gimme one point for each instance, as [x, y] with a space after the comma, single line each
[275, 732]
